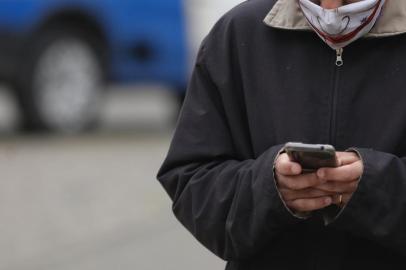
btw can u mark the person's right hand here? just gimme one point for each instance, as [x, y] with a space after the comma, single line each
[297, 189]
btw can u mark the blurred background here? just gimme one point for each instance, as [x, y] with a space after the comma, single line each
[90, 91]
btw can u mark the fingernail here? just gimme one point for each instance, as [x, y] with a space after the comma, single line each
[328, 200]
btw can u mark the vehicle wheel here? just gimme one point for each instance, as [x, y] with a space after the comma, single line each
[62, 81]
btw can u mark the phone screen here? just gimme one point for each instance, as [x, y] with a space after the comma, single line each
[314, 160]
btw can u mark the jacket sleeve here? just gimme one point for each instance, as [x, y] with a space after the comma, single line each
[231, 205]
[377, 210]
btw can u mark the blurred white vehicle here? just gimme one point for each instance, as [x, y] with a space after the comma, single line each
[58, 56]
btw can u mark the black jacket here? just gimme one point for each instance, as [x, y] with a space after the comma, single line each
[255, 88]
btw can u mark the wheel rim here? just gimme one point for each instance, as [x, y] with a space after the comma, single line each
[67, 84]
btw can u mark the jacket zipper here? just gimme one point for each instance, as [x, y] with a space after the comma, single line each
[334, 96]
[339, 57]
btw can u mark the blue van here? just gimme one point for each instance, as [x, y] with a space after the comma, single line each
[58, 55]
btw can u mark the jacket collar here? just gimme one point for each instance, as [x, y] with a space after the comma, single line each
[286, 14]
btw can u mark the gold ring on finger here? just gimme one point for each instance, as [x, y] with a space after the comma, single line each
[340, 200]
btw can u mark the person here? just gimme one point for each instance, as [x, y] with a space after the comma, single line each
[329, 72]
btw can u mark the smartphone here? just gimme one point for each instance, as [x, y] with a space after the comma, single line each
[312, 156]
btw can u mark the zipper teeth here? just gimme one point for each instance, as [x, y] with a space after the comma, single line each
[334, 110]
[334, 99]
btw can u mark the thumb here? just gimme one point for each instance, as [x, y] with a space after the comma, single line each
[346, 158]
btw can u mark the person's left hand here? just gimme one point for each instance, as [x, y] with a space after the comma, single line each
[342, 180]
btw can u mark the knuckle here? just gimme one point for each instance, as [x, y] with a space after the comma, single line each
[311, 181]
[337, 187]
[284, 192]
[317, 180]
[324, 188]
[287, 196]
[315, 193]
[292, 184]
[330, 187]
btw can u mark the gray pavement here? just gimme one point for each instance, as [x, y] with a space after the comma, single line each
[92, 201]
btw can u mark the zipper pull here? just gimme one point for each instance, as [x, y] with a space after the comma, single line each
[339, 59]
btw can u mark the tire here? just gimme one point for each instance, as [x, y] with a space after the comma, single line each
[62, 81]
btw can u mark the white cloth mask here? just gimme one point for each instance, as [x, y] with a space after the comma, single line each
[343, 25]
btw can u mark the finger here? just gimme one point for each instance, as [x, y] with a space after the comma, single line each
[343, 173]
[338, 187]
[299, 182]
[345, 158]
[305, 205]
[285, 166]
[290, 195]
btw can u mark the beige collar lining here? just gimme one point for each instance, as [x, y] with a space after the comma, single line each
[286, 14]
